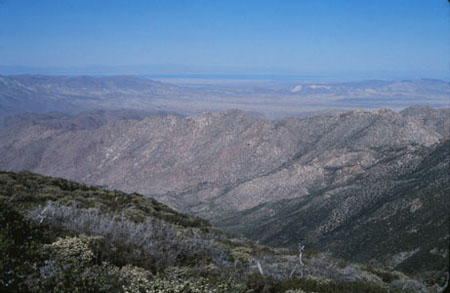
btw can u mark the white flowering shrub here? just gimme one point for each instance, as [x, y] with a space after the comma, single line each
[135, 279]
[195, 285]
[75, 248]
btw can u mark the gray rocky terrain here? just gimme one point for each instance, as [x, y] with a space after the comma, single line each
[321, 180]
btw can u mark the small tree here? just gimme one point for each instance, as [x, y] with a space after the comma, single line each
[301, 248]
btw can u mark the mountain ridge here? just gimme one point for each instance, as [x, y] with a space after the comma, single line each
[324, 225]
[232, 164]
[75, 94]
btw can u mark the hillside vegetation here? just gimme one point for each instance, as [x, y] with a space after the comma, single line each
[360, 184]
[396, 217]
[60, 236]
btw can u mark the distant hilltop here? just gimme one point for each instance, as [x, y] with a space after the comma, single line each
[272, 99]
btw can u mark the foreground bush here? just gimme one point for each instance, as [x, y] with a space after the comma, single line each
[20, 248]
[85, 239]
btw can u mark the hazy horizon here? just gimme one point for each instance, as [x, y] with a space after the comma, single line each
[327, 39]
[171, 72]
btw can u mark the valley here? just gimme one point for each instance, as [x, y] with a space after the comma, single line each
[274, 100]
[224, 146]
[377, 177]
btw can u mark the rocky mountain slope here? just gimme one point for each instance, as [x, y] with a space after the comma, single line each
[390, 215]
[229, 159]
[230, 166]
[434, 119]
[59, 236]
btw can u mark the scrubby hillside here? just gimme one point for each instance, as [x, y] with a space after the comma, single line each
[357, 183]
[59, 236]
[389, 215]
[214, 163]
[437, 120]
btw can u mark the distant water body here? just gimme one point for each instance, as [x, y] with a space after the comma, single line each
[238, 76]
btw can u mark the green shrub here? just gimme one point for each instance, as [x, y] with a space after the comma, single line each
[20, 248]
[75, 277]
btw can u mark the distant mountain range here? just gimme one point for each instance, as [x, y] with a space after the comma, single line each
[367, 186]
[75, 94]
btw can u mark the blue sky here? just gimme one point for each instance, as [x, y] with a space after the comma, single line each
[268, 37]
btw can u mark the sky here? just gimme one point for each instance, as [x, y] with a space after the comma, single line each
[227, 36]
